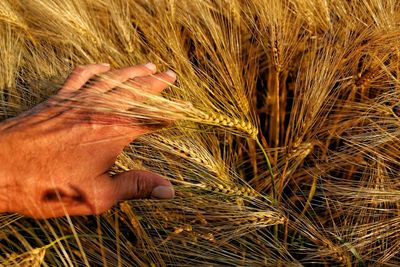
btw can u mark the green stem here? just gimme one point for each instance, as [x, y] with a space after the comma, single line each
[270, 172]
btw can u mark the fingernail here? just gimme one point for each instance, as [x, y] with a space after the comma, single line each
[163, 192]
[171, 74]
[105, 64]
[150, 66]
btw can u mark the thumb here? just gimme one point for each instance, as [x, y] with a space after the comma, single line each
[107, 191]
[141, 184]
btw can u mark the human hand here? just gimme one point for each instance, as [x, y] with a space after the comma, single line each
[52, 165]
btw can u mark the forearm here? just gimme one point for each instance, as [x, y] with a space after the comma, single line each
[5, 164]
[4, 200]
[4, 189]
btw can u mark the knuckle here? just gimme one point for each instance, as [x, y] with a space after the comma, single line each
[143, 189]
[142, 69]
[80, 70]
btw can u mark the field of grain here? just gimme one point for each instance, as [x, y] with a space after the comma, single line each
[285, 149]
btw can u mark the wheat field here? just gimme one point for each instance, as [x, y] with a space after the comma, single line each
[285, 148]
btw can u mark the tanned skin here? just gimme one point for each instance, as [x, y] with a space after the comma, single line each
[52, 164]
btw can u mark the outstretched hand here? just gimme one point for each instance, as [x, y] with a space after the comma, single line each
[51, 165]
